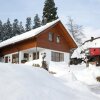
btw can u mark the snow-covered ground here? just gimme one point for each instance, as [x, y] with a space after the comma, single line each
[24, 82]
[86, 75]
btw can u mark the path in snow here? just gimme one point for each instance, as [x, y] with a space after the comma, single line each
[95, 88]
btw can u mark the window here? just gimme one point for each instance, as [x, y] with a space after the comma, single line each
[58, 39]
[55, 56]
[6, 59]
[15, 58]
[26, 56]
[50, 36]
[61, 57]
[34, 55]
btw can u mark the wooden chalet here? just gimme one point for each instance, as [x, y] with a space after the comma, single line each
[52, 39]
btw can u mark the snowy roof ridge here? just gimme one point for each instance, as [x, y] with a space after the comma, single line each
[28, 34]
[92, 39]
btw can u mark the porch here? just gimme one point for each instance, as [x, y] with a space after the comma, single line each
[33, 54]
[23, 56]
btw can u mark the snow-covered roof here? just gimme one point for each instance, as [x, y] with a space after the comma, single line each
[27, 35]
[90, 44]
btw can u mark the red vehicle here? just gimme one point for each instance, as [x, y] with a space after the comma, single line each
[94, 51]
[93, 55]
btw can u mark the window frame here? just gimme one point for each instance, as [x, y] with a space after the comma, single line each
[58, 39]
[26, 56]
[57, 56]
[15, 58]
[50, 36]
[34, 55]
[6, 59]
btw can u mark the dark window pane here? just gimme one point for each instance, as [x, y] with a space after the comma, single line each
[55, 56]
[34, 56]
[61, 57]
[6, 59]
[26, 56]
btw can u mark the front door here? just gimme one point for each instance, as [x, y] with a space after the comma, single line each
[35, 55]
[6, 59]
[15, 58]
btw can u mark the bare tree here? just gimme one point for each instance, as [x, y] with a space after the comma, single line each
[76, 31]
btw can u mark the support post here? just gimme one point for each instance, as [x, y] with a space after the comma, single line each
[36, 52]
[18, 56]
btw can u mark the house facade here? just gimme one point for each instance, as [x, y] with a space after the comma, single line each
[93, 54]
[52, 39]
[88, 52]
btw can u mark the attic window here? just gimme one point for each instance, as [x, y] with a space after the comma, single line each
[50, 36]
[58, 39]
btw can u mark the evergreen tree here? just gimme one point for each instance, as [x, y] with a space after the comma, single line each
[37, 22]
[44, 20]
[16, 28]
[4, 32]
[21, 28]
[9, 29]
[28, 24]
[1, 31]
[49, 11]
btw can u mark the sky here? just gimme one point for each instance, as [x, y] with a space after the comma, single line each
[83, 12]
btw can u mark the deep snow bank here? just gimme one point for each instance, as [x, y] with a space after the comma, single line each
[88, 75]
[31, 63]
[81, 73]
[22, 82]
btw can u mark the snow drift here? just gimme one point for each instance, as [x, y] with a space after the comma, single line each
[88, 75]
[22, 82]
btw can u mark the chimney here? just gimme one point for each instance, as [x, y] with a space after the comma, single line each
[92, 38]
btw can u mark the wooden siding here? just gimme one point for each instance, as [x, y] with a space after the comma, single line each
[26, 44]
[67, 36]
[43, 40]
